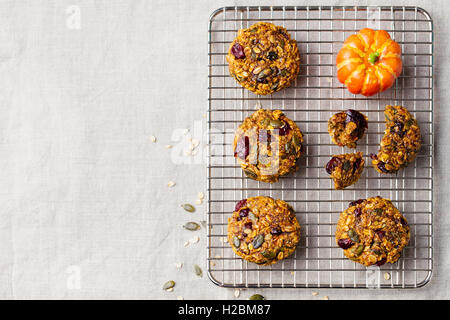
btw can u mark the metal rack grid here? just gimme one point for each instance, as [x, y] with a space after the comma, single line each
[310, 101]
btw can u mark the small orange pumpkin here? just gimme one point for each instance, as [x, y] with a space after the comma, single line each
[369, 62]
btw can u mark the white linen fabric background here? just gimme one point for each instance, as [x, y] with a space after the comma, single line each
[85, 208]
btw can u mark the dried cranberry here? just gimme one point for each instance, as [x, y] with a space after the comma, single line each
[275, 231]
[333, 163]
[381, 262]
[284, 130]
[356, 164]
[240, 204]
[345, 243]
[242, 148]
[403, 221]
[264, 136]
[244, 213]
[238, 51]
[380, 233]
[272, 55]
[382, 166]
[357, 212]
[248, 225]
[373, 156]
[398, 128]
[354, 203]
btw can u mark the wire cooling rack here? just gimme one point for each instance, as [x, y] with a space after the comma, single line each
[310, 102]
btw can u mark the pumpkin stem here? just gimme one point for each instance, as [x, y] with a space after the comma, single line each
[373, 57]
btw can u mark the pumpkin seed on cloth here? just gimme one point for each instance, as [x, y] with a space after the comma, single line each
[263, 230]
[188, 207]
[256, 296]
[191, 226]
[198, 271]
[382, 232]
[168, 285]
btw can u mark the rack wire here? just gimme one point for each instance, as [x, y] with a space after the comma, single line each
[310, 102]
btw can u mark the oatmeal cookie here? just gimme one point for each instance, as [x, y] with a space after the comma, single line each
[268, 145]
[263, 230]
[372, 232]
[345, 128]
[263, 58]
[345, 169]
[400, 143]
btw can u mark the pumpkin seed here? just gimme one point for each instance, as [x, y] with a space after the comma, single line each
[236, 242]
[264, 122]
[192, 226]
[258, 241]
[250, 174]
[346, 165]
[274, 86]
[296, 141]
[283, 73]
[251, 216]
[276, 123]
[378, 210]
[269, 254]
[359, 250]
[198, 271]
[256, 297]
[353, 235]
[169, 284]
[188, 207]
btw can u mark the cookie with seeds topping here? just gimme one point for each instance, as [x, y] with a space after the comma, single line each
[372, 232]
[263, 230]
[263, 58]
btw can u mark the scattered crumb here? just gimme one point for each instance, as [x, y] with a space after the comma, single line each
[169, 146]
[169, 290]
[179, 265]
[292, 272]
[170, 184]
[258, 106]
[213, 263]
[217, 256]
[224, 240]
[186, 243]
[387, 276]
[325, 298]
[198, 201]
[194, 240]
[314, 293]
[237, 293]
[201, 195]
[180, 298]
[153, 138]
[186, 131]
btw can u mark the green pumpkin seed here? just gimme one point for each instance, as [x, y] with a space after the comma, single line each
[353, 235]
[274, 86]
[264, 122]
[251, 216]
[283, 73]
[169, 284]
[192, 226]
[250, 174]
[296, 141]
[346, 165]
[261, 76]
[258, 241]
[188, 207]
[276, 123]
[236, 242]
[256, 297]
[269, 254]
[198, 271]
[378, 210]
[359, 250]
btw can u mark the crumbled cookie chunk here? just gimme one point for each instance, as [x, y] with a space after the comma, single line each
[400, 143]
[345, 128]
[345, 169]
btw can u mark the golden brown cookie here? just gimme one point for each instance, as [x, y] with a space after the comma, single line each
[263, 58]
[345, 128]
[372, 232]
[345, 169]
[268, 145]
[400, 143]
[263, 230]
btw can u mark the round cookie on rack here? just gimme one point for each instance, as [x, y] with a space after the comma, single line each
[345, 169]
[345, 128]
[263, 58]
[400, 143]
[263, 230]
[268, 145]
[372, 232]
